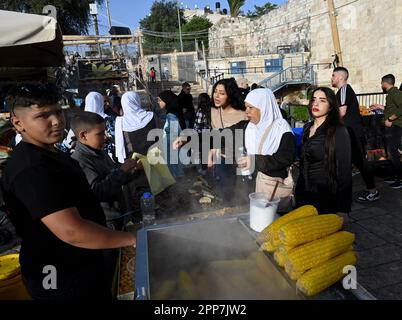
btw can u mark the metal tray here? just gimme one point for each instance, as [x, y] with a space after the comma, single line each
[164, 250]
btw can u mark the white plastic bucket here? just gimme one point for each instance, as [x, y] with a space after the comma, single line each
[262, 211]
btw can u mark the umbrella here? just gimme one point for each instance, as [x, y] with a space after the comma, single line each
[30, 40]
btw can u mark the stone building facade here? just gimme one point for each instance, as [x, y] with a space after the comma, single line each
[369, 30]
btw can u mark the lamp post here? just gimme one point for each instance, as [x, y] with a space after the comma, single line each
[178, 17]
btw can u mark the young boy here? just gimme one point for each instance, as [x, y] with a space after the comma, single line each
[52, 207]
[105, 177]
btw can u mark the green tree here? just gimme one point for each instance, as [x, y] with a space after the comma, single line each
[72, 15]
[260, 11]
[197, 24]
[235, 6]
[163, 18]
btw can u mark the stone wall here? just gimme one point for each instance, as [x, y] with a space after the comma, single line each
[286, 26]
[369, 30]
[371, 41]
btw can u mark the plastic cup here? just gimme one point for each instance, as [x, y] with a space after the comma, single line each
[262, 211]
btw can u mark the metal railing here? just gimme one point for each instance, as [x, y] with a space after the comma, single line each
[292, 75]
[368, 99]
[213, 76]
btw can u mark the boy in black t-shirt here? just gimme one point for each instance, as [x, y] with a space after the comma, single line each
[49, 201]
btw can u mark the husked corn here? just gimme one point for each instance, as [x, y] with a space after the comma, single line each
[314, 253]
[284, 249]
[267, 246]
[309, 229]
[186, 286]
[319, 278]
[271, 232]
[280, 258]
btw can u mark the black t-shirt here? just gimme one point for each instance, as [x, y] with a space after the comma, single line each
[352, 119]
[38, 182]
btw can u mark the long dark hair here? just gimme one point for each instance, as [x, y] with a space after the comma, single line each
[332, 122]
[233, 93]
[205, 104]
[172, 106]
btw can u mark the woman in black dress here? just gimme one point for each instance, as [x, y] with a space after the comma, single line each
[325, 179]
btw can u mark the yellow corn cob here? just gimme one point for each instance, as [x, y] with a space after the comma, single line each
[284, 249]
[165, 291]
[267, 246]
[319, 278]
[186, 286]
[271, 232]
[280, 258]
[309, 229]
[317, 252]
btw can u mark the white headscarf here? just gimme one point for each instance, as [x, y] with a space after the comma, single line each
[133, 119]
[264, 100]
[94, 103]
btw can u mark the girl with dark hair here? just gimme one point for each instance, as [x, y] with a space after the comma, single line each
[325, 179]
[227, 109]
[173, 126]
[228, 106]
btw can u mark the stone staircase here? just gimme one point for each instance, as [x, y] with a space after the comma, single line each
[289, 77]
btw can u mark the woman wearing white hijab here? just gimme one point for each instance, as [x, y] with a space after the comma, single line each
[268, 138]
[94, 102]
[132, 128]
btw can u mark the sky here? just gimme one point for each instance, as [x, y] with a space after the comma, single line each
[128, 13]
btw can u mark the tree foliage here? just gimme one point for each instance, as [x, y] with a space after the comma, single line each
[163, 18]
[260, 11]
[235, 6]
[198, 24]
[72, 15]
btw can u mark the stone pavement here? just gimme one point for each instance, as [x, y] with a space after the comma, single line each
[378, 229]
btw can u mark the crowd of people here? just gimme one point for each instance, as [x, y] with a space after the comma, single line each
[71, 174]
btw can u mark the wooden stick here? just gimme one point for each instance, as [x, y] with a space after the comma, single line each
[273, 192]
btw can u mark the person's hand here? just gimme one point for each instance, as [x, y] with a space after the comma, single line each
[243, 162]
[178, 143]
[130, 164]
[388, 123]
[211, 157]
[377, 106]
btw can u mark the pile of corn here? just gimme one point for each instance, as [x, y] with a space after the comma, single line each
[311, 247]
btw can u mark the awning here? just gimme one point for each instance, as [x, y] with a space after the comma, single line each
[29, 40]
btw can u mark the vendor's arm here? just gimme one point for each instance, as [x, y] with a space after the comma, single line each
[70, 227]
[281, 159]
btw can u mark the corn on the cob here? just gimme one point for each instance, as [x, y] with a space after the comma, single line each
[319, 278]
[309, 229]
[317, 252]
[165, 291]
[187, 287]
[280, 258]
[284, 249]
[267, 246]
[271, 232]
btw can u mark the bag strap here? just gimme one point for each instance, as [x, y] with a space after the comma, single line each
[220, 114]
[128, 142]
[264, 137]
